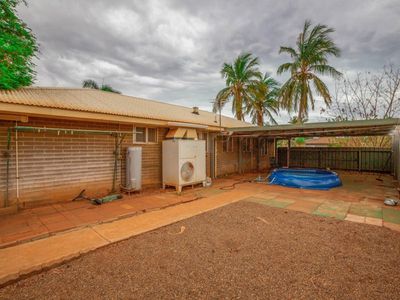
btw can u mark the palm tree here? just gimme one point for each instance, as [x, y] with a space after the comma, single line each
[295, 120]
[309, 59]
[239, 76]
[91, 84]
[264, 95]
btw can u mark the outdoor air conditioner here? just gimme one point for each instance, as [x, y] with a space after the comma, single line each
[183, 163]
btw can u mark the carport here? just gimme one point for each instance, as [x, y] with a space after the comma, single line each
[379, 127]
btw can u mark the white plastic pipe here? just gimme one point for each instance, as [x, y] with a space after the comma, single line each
[17, 161]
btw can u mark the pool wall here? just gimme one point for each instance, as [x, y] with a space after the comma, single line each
[313, 179]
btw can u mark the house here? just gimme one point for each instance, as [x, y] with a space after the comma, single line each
[56, 142]
[318, 142]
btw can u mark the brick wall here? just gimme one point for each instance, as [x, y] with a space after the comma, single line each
[56, 167]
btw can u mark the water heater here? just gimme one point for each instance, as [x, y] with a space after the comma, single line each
[134, 168]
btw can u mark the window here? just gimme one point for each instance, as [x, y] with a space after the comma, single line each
[151, 135]
[140, 134]
[227, 144]
[145, 135]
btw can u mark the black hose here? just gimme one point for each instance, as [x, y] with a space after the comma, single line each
[233, 186]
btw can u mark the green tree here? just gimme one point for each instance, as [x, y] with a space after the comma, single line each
[263, 101]
[309, 59]
[91, 84]
[239, 77]
[17, 48]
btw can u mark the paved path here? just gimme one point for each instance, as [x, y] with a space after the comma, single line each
[29, 257]
[353, 202]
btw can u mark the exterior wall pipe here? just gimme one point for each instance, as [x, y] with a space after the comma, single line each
[6, 198]
[17, 162]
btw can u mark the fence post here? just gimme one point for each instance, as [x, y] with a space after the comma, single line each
[359, 160]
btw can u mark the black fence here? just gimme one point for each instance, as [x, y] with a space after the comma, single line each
[357, 159]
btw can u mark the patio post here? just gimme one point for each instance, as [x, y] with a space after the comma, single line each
[288, 153]
[240, 158]
[258, 157]
[396, 154]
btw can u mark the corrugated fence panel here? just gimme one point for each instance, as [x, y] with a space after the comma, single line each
[357, 159]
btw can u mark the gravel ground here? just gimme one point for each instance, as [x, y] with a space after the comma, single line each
[244, 250]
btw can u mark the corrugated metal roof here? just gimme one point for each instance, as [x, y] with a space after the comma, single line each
[90, 100]
[345, 128]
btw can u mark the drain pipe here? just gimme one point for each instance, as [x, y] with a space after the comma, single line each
[17, 162]
[7, 154]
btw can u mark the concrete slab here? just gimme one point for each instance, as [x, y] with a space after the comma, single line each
[304, 206]
[355, 218]
[373, 221]
[29, 257]
[281, 203]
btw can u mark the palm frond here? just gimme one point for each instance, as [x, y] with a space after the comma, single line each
[221, 99]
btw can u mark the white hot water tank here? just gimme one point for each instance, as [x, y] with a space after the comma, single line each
[134, 168]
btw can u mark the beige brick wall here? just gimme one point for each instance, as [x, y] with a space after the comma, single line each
[57, 167]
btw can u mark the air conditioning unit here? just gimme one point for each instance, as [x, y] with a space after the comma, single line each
[183, 163]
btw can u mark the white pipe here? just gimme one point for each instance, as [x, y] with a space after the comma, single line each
[17, 161]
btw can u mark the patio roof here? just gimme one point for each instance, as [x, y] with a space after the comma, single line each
[345, 128]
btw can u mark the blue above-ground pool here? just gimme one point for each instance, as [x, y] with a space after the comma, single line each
[313, 179]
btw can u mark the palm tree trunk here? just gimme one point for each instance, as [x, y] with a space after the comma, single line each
[299, 116]
[260, 119]
[239, 104]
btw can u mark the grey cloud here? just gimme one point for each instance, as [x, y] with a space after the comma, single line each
[173, 50]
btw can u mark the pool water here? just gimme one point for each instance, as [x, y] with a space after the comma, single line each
[313, 179]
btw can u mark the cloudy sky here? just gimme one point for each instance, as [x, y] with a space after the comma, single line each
[173, 50]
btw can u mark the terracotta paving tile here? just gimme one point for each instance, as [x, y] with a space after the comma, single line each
[373, 221]
[60, 226]
[392, 226]
[358, 209]
[18, 236]
[355, 218]
[329, 213]
[391, 215]
[265, 196]
[127, 206]
[303, 206]
[270, 202]
[43, 210]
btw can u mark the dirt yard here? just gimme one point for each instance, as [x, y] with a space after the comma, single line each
[245, 250]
